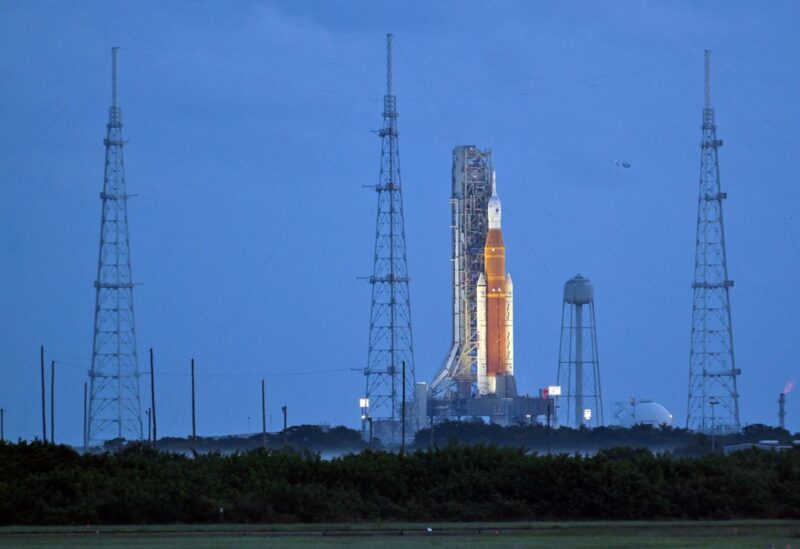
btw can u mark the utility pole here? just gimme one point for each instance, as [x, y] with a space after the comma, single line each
[85, 419]
[263, 415]
[403, 414]
[194, 431]
[2, 425]
[44, 410]
[53, 401]
[713, 403]
[284, 409]
[153, 399]
[549, 412]
[149, 427]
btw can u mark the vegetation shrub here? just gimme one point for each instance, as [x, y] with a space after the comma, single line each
[48, 484]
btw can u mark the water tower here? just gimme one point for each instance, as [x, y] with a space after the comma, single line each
[578, 364]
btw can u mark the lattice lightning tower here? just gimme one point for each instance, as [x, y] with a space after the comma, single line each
[390, 341]
[713, 397]
[114, 403]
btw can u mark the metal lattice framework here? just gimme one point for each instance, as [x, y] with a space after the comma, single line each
[390, 336]
[578, 359]
[114, 403]
[713, 398]
[472, 183]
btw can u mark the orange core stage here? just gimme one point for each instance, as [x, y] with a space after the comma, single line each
[495, 260]
[495, 308]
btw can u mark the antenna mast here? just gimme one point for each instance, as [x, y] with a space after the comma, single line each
[712, 369]
[114, 399]
[390, 339]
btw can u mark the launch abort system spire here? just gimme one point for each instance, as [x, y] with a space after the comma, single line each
[712, 369]
[114, 401]
[390, 340]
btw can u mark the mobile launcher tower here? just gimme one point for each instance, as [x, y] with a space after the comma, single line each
[477, 377]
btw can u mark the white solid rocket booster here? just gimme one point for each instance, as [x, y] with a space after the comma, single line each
[483, 386]
[509, 326]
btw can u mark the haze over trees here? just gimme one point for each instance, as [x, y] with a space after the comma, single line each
[48, 484]
[341, 440]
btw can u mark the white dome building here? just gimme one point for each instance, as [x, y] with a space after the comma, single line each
[643, 412]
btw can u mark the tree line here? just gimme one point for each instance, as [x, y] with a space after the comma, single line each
[316, 438]
[46, 484]
[538, 438]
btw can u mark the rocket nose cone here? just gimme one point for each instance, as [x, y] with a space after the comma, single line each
[509, 283]
[481, 280]
[493, 207]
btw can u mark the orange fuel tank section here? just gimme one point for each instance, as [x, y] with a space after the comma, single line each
[495, 358]
[495, 264]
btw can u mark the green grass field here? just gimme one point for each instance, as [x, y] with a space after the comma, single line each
[727, 534]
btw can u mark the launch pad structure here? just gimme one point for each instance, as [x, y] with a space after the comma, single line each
[472, 180]
[469, 384]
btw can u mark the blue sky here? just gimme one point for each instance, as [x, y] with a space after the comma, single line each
[250, 138]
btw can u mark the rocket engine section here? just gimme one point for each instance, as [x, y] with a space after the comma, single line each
[495, 296]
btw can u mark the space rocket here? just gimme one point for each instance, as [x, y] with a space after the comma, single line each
[495, 306]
